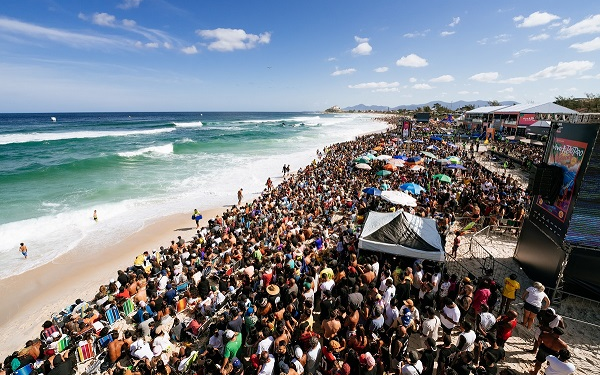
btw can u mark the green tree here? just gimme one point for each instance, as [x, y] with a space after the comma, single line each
[492, 103]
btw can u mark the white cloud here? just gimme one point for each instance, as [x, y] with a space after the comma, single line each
[128, 23]
[82, 16]
[360, 40]
[522, 52]
[572, 89]
[331, 59]
[485, 77]
[422, 86]
[167, 45]
[128, 4]
[103, 19]
[590, 25]
[592, 45]
[536, 19]
[381, 69]
[444, 78]
[508, 89]
[152, 45]
[343, 72]
[412, 61]
[191, 50]
[455, 21]
[447, 33]
[139, 44]
[374, 85]
[502, 38]
[510, 61]
[227, 40]
[560, 71]
[597, 76]
[412, 80]
[563, 22]
[417, 34]
[387, 89]
[542, 36]
[463, 92]
[10, 26]
[362, 49]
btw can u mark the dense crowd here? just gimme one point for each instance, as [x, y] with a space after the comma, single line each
[277, 286]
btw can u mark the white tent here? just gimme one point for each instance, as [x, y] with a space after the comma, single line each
[400, 233]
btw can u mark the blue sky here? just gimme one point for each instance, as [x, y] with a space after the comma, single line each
[266, 55]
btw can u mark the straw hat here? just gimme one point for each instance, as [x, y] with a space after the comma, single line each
[273, 290]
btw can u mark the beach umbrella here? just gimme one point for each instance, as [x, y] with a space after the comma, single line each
[411, 187]
[417, 168]
[413, 159]
[398, 197]
[390, 167]
[442, 161]
[418, 140]
[372, 191]
[451, 144]
[362, 159]
[397, 162]
[378, 148]
[383, 172]
[363, 166]
[433, 147]
[369, 156]
[385, 186]
[455, 166]
[453, 159]
[429, 154]
[384, 157]
[442, 177]
[434, 138]
[400, 157]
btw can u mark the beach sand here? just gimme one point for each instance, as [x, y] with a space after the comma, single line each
[32, 297]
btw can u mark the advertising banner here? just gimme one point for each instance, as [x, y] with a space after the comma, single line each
[527, 119]
[405, 129]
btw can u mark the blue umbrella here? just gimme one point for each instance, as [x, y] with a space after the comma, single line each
[413, 159]
[401, 157]
[372, 191]
[412, 187]
[418, 140]
[450, 144]
[439, 139]
[433, 147]
[455, 166]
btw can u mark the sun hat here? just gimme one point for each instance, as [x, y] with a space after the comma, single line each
[273, 290]
[229, 334]
[409, 302]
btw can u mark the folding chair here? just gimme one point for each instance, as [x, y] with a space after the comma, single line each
[25, 370]
[85, 352]
[48, 332]
[128, 307]
[181, 305]
[104, 341]
[112, 315]
[182, 287]
[81, 309]
[63, 343]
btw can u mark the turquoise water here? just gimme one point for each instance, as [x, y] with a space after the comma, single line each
[135, 167]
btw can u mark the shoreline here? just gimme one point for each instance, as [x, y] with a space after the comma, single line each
[33, 296]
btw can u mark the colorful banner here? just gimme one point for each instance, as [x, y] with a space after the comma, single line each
[405, 129]
[568, 155]
[527, 119]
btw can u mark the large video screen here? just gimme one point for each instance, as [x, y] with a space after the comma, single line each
[583, 228]
[570, 150]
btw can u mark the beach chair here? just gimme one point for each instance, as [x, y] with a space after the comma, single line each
[112, 315]
[81, 309]
[25, 370]
[48, 332]
[104, 341]
[185, 364]
[85, 352]
[182, 287]
[63, 343]
[181, 305]
[129, 307]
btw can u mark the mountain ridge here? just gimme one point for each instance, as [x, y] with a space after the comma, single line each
[451, 105]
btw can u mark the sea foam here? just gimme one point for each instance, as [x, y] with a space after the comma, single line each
[6, 139]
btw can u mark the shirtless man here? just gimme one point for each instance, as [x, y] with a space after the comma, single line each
[23, 250]
[352, 321]
[240, 195]
[331, 326]
[114, 347]
[550, 343]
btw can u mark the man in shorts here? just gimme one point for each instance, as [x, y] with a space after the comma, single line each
[23, 250]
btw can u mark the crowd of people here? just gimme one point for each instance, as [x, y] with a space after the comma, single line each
[277, 286]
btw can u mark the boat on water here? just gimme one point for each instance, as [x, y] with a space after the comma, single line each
[53, 119]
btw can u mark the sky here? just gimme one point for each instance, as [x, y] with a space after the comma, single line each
[289, 55]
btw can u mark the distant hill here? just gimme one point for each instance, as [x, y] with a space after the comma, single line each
[453, 105]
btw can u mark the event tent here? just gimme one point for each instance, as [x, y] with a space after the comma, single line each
[400, 233]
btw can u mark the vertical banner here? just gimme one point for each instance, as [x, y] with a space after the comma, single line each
[405, 129]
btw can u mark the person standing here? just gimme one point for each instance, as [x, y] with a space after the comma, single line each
[240, 194]
[196, 216]
[95, 216]
[511, 286]
[23, 250]
[535, 300]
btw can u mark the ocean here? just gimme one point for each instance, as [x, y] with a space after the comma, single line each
[134, 168]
